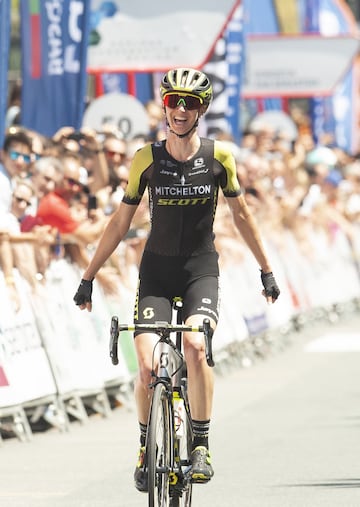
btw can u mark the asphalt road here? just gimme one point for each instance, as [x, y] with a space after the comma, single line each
[285, 433]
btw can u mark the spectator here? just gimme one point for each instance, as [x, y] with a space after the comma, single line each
[89, 148]
[47, 173]
[56, 208]
[15, 158]
[23, 254]
[115, 154]
[65, 209]
[156, 121]
[115, 150]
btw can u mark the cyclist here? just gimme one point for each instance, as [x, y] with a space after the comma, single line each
[183, 174]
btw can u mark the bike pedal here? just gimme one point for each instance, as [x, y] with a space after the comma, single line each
[199, 479]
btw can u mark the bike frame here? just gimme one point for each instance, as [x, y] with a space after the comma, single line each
[171, 478]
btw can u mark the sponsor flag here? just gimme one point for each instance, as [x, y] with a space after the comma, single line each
[54, 38]
[310, 14]
[4, 61]
[225, 69]
[335, 115]
[234, 58]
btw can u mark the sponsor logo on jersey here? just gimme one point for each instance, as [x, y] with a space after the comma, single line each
[168, 173]
[199, 162]
[182, 202]
[183, 190]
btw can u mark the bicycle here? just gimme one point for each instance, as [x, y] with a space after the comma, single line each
[169, 435]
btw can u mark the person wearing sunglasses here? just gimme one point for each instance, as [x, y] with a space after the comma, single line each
[27, 249]
[66, 210]
[183, 175]
[60, 207]
[15, 158]
[21, 200]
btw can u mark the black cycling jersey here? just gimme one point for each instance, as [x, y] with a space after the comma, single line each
[182, 195]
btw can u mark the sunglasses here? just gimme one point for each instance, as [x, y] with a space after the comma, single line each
[14, 155]
[190, 102]
[73, 182]
[21, 199]
[113, 154]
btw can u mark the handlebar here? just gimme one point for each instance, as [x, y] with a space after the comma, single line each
[162, 329]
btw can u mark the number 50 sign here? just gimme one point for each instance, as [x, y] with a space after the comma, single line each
[119, 109]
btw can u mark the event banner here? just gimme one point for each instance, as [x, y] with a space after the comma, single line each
[336, 114]
[54, 38]
[133, 35]
[225, 71]
[4, 60]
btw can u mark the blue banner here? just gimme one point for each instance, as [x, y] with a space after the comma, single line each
[345, 114]
[260, 17]
[311, 24]
[331, 116]
[4, 62]
[234, 57]
[54, 37]
[225, 73]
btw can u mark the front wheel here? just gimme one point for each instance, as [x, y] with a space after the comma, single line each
[182, 496]
[159, 448]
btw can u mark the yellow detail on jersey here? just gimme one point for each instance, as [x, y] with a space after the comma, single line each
[226, 159]
[143, 158]
[164, 201]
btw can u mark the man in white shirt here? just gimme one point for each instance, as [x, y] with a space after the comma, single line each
[15, 158]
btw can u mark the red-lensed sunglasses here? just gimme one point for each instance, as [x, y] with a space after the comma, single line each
[190, 102]
[113, 154]
[73, 182]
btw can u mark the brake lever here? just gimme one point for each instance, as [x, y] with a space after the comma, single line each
[208, 333]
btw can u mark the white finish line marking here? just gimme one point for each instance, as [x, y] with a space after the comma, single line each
[335, 342]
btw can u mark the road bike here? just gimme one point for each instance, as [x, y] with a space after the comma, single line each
[169, 435]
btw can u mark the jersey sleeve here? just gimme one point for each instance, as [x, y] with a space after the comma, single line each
[142, 160]
[229, 182]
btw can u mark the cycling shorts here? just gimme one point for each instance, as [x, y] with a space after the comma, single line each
[161, 279]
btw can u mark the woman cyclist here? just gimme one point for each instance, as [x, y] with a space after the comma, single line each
[183, 174]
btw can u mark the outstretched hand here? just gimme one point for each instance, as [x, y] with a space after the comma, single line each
[82, 297]
[271, 290]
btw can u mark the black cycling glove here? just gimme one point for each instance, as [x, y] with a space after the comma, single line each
[84, 292]
[270, 286]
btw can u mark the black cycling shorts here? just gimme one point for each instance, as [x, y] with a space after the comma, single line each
[161, 279]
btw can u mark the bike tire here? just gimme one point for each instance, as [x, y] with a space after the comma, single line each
[185, 447]
[159, 448]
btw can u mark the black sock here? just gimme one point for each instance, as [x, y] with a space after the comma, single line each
[143, 431]
[201, 433]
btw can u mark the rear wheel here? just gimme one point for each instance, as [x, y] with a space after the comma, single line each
[159, 449]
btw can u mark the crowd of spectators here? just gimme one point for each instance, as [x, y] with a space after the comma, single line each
[57, 194]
